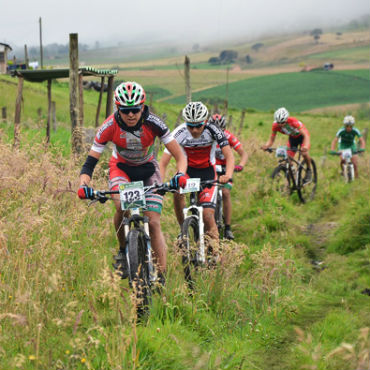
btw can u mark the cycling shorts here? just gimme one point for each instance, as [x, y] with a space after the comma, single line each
[207, 197]
[117, 176]
[295, 142]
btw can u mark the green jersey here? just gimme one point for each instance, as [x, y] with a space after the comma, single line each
[348, 139]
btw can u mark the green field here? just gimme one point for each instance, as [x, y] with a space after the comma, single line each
[266, 306]
[297, 91]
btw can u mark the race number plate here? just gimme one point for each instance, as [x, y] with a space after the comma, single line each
[281, 152]
[192, 185]
[347, 154]
[132, 195]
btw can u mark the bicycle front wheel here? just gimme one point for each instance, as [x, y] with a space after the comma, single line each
[219, 217]
[350, 173]
[281, 181]
[138, 264]
[190, 248]
[307, 187]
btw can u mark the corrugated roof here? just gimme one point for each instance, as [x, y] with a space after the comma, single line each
[49, 74]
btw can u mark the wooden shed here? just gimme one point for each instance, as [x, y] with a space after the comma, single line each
[50, 74]
[4, 49]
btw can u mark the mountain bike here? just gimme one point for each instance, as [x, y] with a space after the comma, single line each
[141, 270]
[348, 166]
[192, 241]
[289, 175]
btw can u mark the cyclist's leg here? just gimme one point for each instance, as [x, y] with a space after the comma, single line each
[117, 177]
[158, 242]
[179, 205]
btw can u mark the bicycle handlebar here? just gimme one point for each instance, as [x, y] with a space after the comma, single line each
[294, 149]
[102, 195]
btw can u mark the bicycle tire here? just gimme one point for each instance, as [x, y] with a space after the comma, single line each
[349, 173]
[219, 217]
[282, 181]
[139, 270]
[190, 246]
[307, 190]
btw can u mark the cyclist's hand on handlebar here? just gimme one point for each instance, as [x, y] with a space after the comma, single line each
[332, 152]
[304, 149]
[265, 147]
[361, 150]
[224, 179]
[85, 192]
[178, 180]
[238, 168]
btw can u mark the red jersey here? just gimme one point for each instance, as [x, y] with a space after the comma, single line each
[132, 145]
[233, 142]
[292, 128]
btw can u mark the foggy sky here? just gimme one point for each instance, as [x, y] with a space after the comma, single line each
[196, 21]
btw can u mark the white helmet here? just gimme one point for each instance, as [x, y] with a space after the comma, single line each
[349, 121]
[195, 112]
[281, 115]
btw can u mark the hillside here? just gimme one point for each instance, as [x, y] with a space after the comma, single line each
[288, 294]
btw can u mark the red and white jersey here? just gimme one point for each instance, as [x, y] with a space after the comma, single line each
[292, 128]
[233, 142]
[200, 152]
[132, 145]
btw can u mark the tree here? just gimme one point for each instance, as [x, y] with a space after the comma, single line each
[316, 33]
[214, 60]
[228, 56]
[257, 46]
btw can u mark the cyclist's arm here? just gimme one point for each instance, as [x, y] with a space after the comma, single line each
[334, 143]
[230, 163]
[306, 140]
[163, 163]
[84, 177]
[270, 141]
[175, 149]
[243, 156]
[361, 142]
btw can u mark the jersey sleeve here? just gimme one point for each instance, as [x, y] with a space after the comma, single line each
[357, 131]
[103, 136]
[274, 129]
[160, 128]
[218, 135]
[233, 140]
[339, 132]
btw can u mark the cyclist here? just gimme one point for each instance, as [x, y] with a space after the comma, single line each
[132, 129]
[234, 143]
[346, 137]
[199, 138]
[298, 136]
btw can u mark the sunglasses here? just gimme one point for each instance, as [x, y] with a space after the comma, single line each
[127, 110]
[194, 125]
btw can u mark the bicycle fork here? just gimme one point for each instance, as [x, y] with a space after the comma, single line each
[197, 212]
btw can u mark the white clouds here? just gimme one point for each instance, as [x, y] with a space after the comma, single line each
[193, 20]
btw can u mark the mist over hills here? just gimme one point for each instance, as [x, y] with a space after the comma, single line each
[156, 45]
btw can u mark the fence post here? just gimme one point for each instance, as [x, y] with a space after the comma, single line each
[49, 113]
[241, 122]
[365, 132]
[17, 116]
[3, 114]
[187, 79]
[108, 111]
[54, 116]
[73, 88]
[81, 99]
[99, 101]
